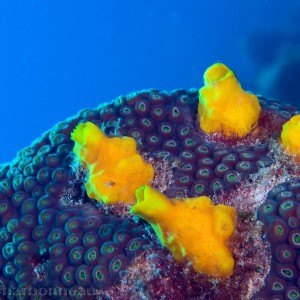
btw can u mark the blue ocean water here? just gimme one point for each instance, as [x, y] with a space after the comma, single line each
[57, 57]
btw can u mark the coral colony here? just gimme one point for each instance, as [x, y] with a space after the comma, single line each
[158, 195]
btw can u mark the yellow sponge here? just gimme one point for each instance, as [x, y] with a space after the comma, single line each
[191, 228]
[115, 168]
[224, 106]
[290, 136]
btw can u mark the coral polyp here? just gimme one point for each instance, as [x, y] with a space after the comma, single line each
[66, 220]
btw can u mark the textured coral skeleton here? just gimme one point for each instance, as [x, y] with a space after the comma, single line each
[52, 235]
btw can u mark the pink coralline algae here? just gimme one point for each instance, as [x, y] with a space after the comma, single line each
[54, 238]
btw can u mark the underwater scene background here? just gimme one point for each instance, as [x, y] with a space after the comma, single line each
[150, 150]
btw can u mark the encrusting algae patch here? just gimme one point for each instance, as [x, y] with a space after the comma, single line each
[191, 228]
[115, 168]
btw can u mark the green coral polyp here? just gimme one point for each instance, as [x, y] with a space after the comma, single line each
[279, 230]
[134, 246]
[117, 265]
[296, 239]
[277, 286]
[287, 272]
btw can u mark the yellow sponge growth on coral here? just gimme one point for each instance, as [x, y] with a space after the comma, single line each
[191, 228]
[115, 168]
[290, 136]
[224, 106]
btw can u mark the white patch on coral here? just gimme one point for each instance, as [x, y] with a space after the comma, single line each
[163, 177]
[70, 195]
[116, 125]
[39, 271]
